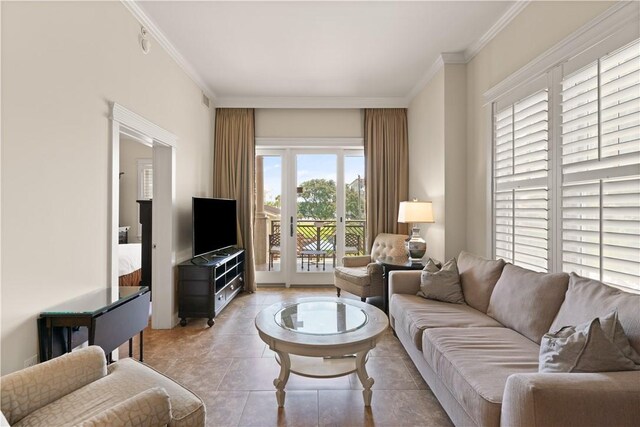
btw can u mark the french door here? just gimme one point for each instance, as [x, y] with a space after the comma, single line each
[310, 212]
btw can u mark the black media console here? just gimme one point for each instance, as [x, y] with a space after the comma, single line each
[206, 284]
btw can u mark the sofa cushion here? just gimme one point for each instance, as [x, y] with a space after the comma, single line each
[586, 299]
[357, 275]
[474, 364]
[478, 276]
[126, 379]
[415, 314]
[441, 284]
[527, 301]
[596, 346]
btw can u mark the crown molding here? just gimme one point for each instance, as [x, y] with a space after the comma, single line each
[163, 41]
[310, 102]
[504, 20]
[443, 58]
[609, 22]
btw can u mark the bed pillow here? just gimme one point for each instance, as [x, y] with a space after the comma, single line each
[596, 346]
[441, 284]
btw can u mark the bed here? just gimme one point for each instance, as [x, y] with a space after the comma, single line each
[129, 264]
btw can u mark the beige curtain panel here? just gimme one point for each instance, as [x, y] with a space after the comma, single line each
[386, 150]
[233, 175]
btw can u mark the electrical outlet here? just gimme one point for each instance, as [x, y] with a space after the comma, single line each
[33, 360]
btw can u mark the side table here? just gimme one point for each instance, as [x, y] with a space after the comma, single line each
[394, 263]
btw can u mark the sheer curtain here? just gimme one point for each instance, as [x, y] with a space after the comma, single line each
[233, 174]
[386, 150]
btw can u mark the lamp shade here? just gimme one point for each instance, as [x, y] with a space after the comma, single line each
[415, 211]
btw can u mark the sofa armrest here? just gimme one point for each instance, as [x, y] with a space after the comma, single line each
[149, 408]
[32, 388]
[572, 399]
[356, 261]
[404, 282]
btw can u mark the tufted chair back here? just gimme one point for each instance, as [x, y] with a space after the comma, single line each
[388, 245]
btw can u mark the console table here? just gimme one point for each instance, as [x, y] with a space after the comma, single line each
[109, 323]
[394, 263]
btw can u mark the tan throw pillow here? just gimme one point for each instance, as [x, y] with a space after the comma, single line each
[441, 285]
[596, 346]
[478, 276]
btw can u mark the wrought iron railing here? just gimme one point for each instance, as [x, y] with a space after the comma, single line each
[321, 235]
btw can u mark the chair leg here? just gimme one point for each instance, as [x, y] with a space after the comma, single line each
[338, 291]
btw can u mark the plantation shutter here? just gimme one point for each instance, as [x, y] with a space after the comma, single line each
[600, 141]
[521, 181]
[147, 183]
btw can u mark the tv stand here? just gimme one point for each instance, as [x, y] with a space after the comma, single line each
[205, 288]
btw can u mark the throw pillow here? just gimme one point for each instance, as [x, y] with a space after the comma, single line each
[441, 284]
[596, 346]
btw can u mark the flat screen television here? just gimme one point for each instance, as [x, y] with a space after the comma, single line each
[214, 225]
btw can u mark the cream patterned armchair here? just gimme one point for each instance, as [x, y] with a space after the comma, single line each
[360, 275]
[79, 389]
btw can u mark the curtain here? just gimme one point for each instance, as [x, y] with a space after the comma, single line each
[233, 175]
[386, 150]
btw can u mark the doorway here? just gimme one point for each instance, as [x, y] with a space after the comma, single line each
[310, 212]
[127, 125]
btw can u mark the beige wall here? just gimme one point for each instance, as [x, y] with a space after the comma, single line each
[536, 29]
[455, 176]
[62, 63]
[426, 122]
[437, 155]
[309, 123]
[130, 152]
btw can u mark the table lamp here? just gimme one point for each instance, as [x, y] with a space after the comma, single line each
[415, 212]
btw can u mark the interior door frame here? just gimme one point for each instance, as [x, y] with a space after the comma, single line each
[164, 144]
[288, 148]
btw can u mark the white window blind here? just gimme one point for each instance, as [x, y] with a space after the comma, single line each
[600, 149]
[521, 175]
[147, 183]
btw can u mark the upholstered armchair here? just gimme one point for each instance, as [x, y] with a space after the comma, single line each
[360, 275]
[80, 389]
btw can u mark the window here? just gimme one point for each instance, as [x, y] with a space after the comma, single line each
[600, 143]
[566, 167]
[145, 185]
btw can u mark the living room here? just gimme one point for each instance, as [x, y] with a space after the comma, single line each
[96, 72]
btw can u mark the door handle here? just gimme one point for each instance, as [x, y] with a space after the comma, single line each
[291, 226]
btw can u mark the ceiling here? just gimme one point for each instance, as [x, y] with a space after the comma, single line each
[257, 52]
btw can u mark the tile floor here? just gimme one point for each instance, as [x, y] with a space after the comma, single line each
[232, 370]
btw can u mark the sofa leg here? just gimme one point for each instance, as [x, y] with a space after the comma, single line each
[338, 291]
[363, 299]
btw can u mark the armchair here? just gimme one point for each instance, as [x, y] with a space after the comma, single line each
[78, 388]
[361, 275]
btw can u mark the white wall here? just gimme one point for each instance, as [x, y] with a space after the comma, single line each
[309, 123]
[536, 29]
[130, 152]
[62, 63]
[426, 123]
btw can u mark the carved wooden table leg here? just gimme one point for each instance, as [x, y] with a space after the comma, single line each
[367, 382]
[281, 381]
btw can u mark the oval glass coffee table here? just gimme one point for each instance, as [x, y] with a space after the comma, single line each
[321, 338]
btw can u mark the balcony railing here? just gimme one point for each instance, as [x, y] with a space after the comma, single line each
[321, 236]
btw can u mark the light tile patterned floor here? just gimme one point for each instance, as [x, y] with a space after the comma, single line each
[232, 370]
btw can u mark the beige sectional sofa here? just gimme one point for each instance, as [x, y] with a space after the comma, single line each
[480, 359]
[79, 389]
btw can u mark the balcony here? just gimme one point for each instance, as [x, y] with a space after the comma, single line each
[310, 236]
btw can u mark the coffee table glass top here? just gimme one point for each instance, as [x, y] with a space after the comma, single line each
[321, 318]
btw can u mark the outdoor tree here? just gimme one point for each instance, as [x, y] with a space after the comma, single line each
[317, 200]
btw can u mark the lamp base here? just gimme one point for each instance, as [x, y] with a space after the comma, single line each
[416, 246]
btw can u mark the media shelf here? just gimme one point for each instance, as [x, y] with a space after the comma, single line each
[206, 284]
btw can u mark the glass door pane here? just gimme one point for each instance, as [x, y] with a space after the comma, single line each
[355, 207]
[267, 223]
[315, 246]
